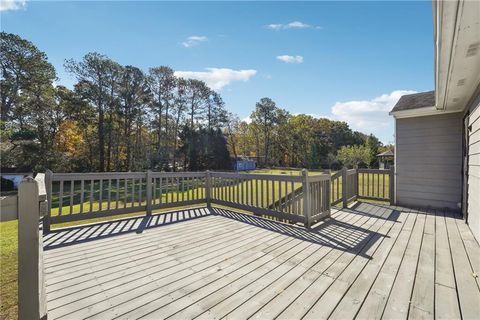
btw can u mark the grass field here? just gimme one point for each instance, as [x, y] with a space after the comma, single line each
[8, 230]
[8, 269]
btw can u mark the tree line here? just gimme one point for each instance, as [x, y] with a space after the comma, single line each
[116, 118]
[275, 137]
[121, 118]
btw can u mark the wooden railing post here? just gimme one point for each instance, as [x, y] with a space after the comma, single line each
[31, 282]
[392, 185]
[307, 211]
[48, 187]
[149, 192]
[208, 187]
[344, 188]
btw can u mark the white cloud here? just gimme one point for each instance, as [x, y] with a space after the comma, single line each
[193, 41]
[275, 26]
[292, 25]
[217, 78]
[290, 59]
[368, 115]
[247, 120]
[10, 5]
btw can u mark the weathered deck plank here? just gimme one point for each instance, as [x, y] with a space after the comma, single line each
[365, 262]
[351, 301]
[252, 296]
[468, 291]
[378, 250]
[397, 306]
[208, 286]
[422, 303]
[446, 301]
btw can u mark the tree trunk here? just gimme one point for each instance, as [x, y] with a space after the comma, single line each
[109, 143]
[159, 123]
[101, 140]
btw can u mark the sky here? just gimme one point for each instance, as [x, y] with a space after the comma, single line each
[348, 61]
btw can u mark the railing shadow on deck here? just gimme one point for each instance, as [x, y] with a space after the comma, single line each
[379, 210]
[332, 232]
[85, 233]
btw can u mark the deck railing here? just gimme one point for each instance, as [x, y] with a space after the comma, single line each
[266, 195]
[304, 198]
[376, 184]
[75, 196]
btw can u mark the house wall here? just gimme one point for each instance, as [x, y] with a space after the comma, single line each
[473, 188]
[428, 161]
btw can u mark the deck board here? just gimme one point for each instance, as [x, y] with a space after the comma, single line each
[468, 291]
[368, 261]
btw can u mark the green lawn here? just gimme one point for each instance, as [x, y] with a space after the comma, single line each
[8, 269]
[8, 230]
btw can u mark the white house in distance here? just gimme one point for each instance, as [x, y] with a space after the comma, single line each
[437, 154]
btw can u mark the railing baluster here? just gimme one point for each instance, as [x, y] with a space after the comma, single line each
[100, 195]
[72, 185]
[60, 199]
[250, 202]
[117, 193]
[383, 186]
[92, 183]
[183, 188]
[109, 193]
[125, 193]
[140, 183]
[242, 184]
[172, 189]
[160, 182]
[82, 185]
[222, 186]
[256, 192]
[154, 195]
[133, 193]
[267, 191]
[197, 187]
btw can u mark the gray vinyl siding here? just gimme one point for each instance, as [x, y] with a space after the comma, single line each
[429, 161]
[473, 193]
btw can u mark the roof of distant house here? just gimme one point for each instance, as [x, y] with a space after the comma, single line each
[388, 153]
[415, 101]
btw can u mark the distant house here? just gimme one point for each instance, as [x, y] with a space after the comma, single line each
[385, 159]
[437, 153]
[245, 164]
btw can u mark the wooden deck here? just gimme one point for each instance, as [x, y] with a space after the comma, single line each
[369, 261]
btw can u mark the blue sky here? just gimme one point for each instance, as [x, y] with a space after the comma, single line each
[348, 61]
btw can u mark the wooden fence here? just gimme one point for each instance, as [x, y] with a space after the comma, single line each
[302, 198]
